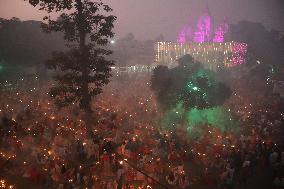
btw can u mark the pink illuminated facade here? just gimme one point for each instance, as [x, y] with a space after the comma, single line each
[185, 35]
[205, 43]
[204, 31]
[239, 51]
[204, 25]
[221, 31]
[182, 36]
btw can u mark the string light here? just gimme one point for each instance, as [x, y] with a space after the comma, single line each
[232, 53]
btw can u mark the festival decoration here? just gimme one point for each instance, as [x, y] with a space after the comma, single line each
[221, 32]
[205, 45]
[204, 30]
[204, 25]
[212, 55]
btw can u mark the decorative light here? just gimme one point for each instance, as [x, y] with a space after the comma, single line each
[213, 55]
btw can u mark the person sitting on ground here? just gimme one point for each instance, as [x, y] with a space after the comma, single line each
[171, 179]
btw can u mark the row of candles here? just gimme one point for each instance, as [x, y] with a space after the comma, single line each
[5, 185]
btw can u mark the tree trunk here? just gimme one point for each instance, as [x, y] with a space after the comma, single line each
[90, 121]
[85, 98]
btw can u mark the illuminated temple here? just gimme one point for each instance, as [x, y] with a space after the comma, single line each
[205, 44]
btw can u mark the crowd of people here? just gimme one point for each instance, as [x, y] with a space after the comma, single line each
[128, 148]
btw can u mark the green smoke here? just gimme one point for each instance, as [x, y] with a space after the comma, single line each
[194, 119]
[173, 117]
[215, 117]
[191, 96]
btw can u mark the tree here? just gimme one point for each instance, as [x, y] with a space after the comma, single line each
[23, 45]
[263, 65]
[186, 90]
[84, 69]
[189, 84]
[259, 39]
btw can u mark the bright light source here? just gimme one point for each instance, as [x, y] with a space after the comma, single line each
[112, 41]
[195, 88]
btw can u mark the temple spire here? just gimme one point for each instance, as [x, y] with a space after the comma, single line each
[207, 10]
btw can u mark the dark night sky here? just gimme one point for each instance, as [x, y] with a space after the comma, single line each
[149, 18]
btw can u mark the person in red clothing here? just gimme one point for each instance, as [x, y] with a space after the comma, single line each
[208, 180]
[34, 174]
[106, 164]
[171, 179]
[146, 149]
[183, 181]
[173, 156]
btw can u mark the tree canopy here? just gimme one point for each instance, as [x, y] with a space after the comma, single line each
[190, 84]
[265, 56]
[259, 39]
[84, 68]
[24, 45]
